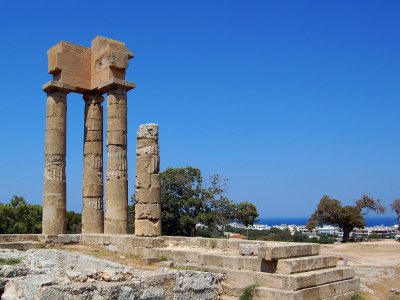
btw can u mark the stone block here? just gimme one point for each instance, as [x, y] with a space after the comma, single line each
[248, 249]
[143, 180]
[117, 124]
[56, 108]
[116, 108]
[211, 260]
[279, 250]
[56, 123]
[304, 264]
[93, 148]
[92, 189]
[115, 226]
[148, 131]
[70, 64]
[147, 228]
[149, 150]
[55, 142]
[155, 181]
[150, 195]
[333, 291]
[93, 124]
[148, 211]
[94, 136]
[116, 137]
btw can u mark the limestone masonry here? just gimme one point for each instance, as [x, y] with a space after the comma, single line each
[92, 72]
[291, 271]
[148, 207]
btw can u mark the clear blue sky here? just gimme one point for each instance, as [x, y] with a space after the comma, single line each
[290, 100]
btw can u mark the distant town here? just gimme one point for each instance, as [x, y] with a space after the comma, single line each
[372, 231]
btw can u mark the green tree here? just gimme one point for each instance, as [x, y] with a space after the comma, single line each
[396, 208]
[246, 213]
[74, 222]
[18, 217]
[330, 211]
[188, 199]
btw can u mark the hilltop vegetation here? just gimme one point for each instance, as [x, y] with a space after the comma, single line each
[19, 217]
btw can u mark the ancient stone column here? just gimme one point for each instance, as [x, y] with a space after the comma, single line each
[148, 207]
[116, 215]
[54, 193]
[92, 184]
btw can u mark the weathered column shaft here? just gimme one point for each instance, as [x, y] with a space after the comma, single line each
[54, 193]
[148, 207]
[116, 216]
[92, 184]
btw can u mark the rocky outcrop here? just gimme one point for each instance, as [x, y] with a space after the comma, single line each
[56, 274]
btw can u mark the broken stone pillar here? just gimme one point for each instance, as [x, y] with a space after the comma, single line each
[54, 193]
[148, 207]
[92, 184]
[116, 216]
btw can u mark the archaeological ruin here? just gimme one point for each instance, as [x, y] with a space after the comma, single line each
[181, 267]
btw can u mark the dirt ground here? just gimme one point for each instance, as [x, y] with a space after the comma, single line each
[376, 263]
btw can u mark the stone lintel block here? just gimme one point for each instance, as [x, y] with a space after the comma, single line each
[279, 250]
[147, 228]
[148, 131]
[148, 211]
[58, 86]
[150, 195]
[304, 264]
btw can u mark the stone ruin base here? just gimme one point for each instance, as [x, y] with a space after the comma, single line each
[281, 270]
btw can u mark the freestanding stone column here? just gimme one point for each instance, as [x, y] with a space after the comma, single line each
[116, 216]
[148, 207]
[54, 193]
[92, 185]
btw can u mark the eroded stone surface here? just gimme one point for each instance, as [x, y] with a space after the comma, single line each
[148, 208]
[55, 274]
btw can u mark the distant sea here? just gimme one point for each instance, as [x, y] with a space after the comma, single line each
[371, 221]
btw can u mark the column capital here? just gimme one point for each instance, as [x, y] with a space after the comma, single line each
[56, 86]
[116, 84]
[93, 98]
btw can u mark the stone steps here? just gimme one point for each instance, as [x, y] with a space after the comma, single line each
[22, 246]
[304, 264]
[333, 291]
